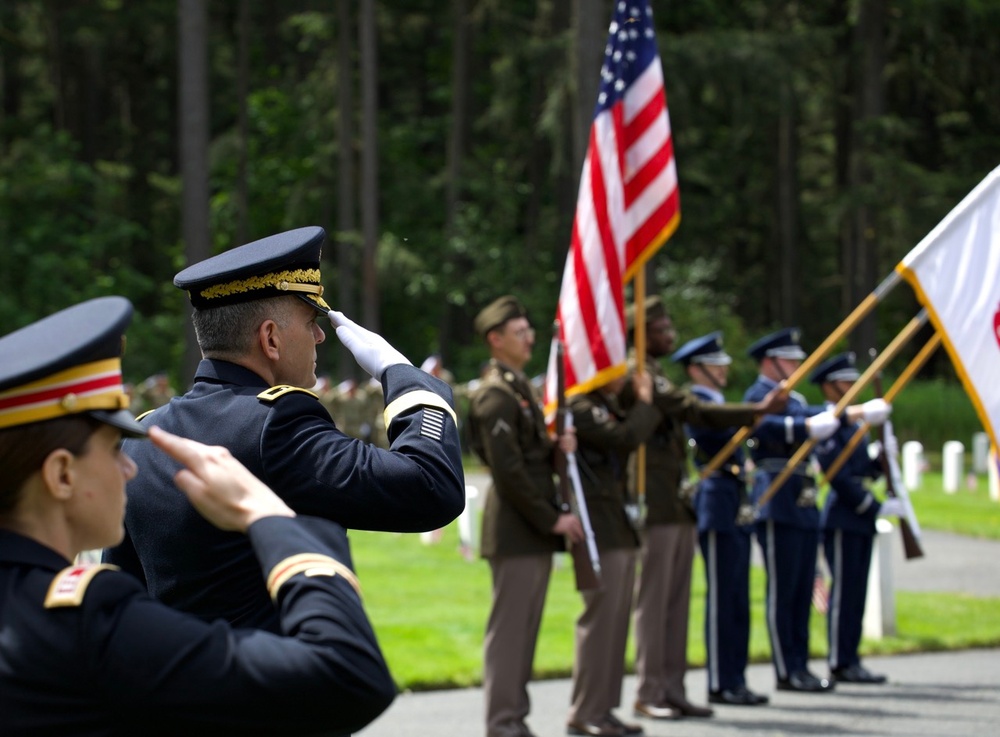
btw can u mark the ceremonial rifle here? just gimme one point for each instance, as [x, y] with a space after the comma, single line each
[894, 486]
[586, 562]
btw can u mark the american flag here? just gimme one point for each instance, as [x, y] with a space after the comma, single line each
[627, 206]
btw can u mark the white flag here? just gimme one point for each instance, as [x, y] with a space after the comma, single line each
[955, 272]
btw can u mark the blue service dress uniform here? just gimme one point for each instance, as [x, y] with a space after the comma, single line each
[725, 547]
[787, 528]
[286, 438]
[84, 650]
[848, 524]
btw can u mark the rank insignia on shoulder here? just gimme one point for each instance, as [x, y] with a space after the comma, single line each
[70, 584]
[276, 392]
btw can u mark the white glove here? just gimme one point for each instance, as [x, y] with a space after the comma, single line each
[892, 507]
[372, 352]
[876, 411]
[823, 425]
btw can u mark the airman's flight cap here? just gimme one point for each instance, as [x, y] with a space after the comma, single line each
[706, 350]
[282, 264]
[782, 344]
[68, 363]
[497, 312]
[838, 368]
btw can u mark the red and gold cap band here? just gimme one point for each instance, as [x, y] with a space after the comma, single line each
[90, 386]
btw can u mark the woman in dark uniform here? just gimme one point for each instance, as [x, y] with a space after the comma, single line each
[83, 649]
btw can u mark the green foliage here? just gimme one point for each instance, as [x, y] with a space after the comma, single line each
[90, 186]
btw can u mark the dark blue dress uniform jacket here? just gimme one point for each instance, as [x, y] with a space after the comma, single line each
[849, 505]
[117, 662]
[718, 499]
[777, 437]
[291, 444]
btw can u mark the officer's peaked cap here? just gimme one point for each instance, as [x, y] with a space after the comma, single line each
[838, 368]
[68, 363]
[706, 349]
[782, 344]
[282, 264]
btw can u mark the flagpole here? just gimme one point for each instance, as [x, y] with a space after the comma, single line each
[849, 396]
[850, 322]
[639, 333]
[908, 373]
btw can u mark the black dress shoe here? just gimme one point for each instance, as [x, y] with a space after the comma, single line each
[739, 696]
[856, 673]
[686, 708]
[629, 729]
[656, 711]
[803, 680]
[595, 729]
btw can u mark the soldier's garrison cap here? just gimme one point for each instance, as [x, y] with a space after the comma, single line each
[781, 344]
[654, 311]
[68, 363]
[497, 312]
[706, 349]
[282, 264]
[839, 368]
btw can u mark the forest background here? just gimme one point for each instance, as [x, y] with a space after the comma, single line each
[440, 145]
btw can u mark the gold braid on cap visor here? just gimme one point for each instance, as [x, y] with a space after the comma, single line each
[83, 388]
[299, 280]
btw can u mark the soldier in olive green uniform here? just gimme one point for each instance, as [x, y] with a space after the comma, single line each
[664, 590]
[606, 435]
[523, 522]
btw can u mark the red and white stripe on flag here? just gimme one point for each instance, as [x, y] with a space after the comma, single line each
[954, 272]
[628, 205]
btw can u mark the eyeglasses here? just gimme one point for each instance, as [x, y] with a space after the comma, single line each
[524, 333]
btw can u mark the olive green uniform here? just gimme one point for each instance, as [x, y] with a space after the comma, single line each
[605, 436]
[508, 432]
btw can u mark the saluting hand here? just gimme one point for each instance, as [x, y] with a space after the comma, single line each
[220, 487]
[372, 352]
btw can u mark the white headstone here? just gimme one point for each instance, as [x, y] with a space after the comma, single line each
[980, 453]
[880, 604]
[913, 458]
[951, 465]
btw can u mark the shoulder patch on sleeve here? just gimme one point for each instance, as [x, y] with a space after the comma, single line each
[276, 392]
[70, 584]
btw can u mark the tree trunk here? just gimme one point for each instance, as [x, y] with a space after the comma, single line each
[457, 142]
[193, 113]
[870, 46]
[346, 237]
[369, 166]
[591, 17]
[243, 91]
[789, 303]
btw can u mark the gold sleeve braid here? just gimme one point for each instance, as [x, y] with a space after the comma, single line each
[419, 398]
[309, 564]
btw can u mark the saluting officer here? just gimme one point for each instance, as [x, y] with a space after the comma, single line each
[85, 649]
[788, 524]
[523, 521]
[605, 436]
[723, 536]
[255, 314]
[848, 523]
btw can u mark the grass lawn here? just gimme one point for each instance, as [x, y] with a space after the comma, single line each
[429, 605]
